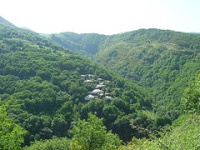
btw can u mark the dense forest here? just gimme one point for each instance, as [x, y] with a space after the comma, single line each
[184, 132]
[43, 87]
[53, 98]
[162, 61]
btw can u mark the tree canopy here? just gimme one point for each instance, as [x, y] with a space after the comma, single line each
[45, 86]
[92, 134]
[11, 134]
[163, 61]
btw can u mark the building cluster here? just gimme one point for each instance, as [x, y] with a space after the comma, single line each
[99, 92]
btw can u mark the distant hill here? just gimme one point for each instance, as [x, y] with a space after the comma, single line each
[162, 60]
[86, 44]
[195, 32]
[5, 22]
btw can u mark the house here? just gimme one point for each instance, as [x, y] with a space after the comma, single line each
[100, 91]
[108, 98]
[100, 79]
[83, 76]
[89, 97]
[88, 81]
[96, 92]
[107, 81]
[99, 86]
[90, 76]
[107, 94]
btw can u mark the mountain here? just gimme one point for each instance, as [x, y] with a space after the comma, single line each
[86, 44]
[52, 91]
[162, 60]
[46, 89]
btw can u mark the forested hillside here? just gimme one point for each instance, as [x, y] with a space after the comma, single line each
[162, 60]
[54, 98]
[44, 87]
[184, 132]
[86, 44]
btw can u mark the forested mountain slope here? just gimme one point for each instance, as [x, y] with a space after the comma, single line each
[184, 132]
[162, 60]
[45, 87]
[86, 44]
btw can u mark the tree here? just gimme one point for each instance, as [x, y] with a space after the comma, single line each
[191, 96]
[121, 105]
[51, 144]
[59, 126]
[110, 114]
[91, 134]
[11, 134]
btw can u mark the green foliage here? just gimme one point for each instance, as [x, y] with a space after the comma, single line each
[161, 60]
[157, 59]
[139, 144]
[191, 97]
[91, 134]
[185, 135]
[162, 121]
[42, 84]
[86, 44]
[53, 144]
[11, 134]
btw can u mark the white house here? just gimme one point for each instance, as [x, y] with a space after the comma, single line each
[96, 92]
[88, 81]
[89, 97]
[90, 76]
[83, 76]
[108, 98]
[100, 86]
[100, 79]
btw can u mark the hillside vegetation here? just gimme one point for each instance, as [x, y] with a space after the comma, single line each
[183, 136]
[163, 61]
[184, 132]
[53, 98]
[86, 44]
[43, 87]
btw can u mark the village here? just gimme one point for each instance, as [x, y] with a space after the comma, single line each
[99, 91]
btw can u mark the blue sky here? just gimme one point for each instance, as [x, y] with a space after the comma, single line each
[102, 16]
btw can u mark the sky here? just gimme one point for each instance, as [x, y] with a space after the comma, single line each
[102, 16]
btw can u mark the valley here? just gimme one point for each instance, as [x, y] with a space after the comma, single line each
[158, 60]
[86, 91]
